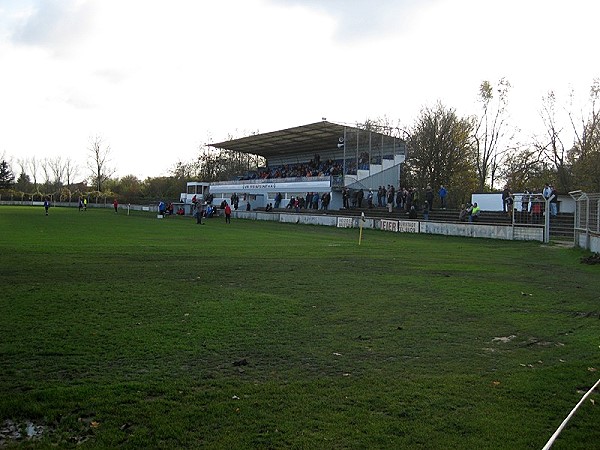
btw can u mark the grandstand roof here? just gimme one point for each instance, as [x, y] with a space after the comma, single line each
[313, 138]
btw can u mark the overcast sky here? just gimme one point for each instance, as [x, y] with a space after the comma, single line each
[155, 79]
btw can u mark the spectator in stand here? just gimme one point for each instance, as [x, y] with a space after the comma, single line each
[412, 214]
[525, 201]
[315, 201]
[399, 202]
[509, 204]
[474, 216]
[277, 199]
[443, 193]
[429, 195]
[390, 199]
[464, 212]
[415, 198]
[505, 195]
[370, 198]
[269, 208]
[345, 198]
[359, 197]
[326, 200]
[309, 200]
[547, 191]
[426, 210]
[553, 201]
[536, 211]
[248, 206]
[408, 200]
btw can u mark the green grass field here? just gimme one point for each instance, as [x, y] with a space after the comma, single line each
[133, 332]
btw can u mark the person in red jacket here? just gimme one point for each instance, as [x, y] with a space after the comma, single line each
[227, 213]
[116, 205]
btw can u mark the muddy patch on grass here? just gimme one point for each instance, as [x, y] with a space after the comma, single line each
[15, 432]
[504, 339]
[592, 259]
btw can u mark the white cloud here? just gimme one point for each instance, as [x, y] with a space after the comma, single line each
[155, 78]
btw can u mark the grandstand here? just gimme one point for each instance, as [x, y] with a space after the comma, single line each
[321, 157]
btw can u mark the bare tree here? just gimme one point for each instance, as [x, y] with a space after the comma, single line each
[489, 131]
[552, 148]
[71, 171]
[98, 162]
[33, 170]
[47, 171]
[58, 169]
[585, 154]
[23, 165]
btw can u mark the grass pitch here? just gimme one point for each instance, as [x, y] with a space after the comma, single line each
[133, 332]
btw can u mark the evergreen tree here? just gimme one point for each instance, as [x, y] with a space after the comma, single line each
[7, 178]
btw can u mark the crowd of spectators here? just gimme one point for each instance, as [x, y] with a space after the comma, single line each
[314, 168]
[313, 200]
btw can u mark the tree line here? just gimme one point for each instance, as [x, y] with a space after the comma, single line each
[464, 153]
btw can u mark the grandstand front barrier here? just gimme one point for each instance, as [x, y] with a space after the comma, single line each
[490, 231]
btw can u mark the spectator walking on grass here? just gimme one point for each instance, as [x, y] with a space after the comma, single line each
[227, 213]
[198, 213]
[46, 205]
[115, 205]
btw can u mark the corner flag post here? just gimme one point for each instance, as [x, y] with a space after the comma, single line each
[362, 220]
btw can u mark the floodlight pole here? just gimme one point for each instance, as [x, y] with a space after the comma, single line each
[400, 166]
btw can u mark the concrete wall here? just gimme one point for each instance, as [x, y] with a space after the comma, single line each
[505, 232]
[595, 244]
[588, 241]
